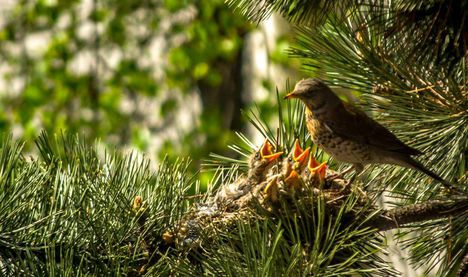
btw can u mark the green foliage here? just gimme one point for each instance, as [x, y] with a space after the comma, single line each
[77, 209]
[70, 210]
[407, 62]
[93, 67]
[73, 210]
[309, 12]
[436, 29]
[287, 126]
[305, 242]
[421, 100]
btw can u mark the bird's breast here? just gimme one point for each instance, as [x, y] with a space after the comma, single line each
[321, 135]
[317, 130]
[338, 147]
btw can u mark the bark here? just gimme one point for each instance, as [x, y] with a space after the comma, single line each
[401, 217]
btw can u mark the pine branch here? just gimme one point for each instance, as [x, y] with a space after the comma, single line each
[405, 216]
[92, 212]
[214, 214]
[310, 12]
[425, 29]
[444, 146]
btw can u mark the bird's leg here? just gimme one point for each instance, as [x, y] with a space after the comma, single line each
[358, 168]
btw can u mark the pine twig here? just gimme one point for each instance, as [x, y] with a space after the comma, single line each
[430, 210]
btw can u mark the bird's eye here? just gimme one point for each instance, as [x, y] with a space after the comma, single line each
[257, 155]
[290, 159]
[306, 171]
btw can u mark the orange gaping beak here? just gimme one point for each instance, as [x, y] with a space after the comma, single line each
[292, 176]
[297, 150]
[267, 151]
[299, 155]
[319, 172]
[303, 156]
[312, 163]
[293, 180]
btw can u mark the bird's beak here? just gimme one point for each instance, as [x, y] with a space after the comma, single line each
[297, 150]
[267, 152]
[322, 168]
[312, 163]
[293, 180]
[273, 156]
[303, 156]
[290, 95]
[320, 172]
[292, 176]
[266, 148]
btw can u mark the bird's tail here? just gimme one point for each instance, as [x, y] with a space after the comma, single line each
[412, 163]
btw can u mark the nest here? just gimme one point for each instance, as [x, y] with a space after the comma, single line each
[272, 187]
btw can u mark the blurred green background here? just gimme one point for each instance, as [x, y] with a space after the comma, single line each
[164, 77]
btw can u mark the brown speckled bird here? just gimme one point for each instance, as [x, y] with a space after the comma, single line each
[349, 135]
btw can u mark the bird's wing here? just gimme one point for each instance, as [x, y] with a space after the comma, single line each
[353, 124]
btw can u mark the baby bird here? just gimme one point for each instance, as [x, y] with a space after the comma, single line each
[259, 164]
[314, 174]
[294, 165]
[296, 160]
[291, 165]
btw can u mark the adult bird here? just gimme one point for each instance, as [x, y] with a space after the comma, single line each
[349, 135]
